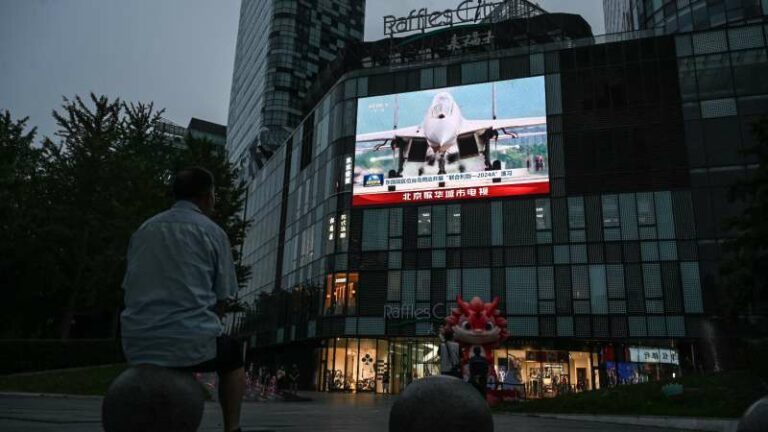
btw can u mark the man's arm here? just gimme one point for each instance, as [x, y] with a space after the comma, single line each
[225, 284]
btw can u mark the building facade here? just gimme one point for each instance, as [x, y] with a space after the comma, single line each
[681, 15]
[619, 16]
[282, 45]
[197, 128]
[607, 274]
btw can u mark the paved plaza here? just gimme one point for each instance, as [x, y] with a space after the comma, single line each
[327, 412]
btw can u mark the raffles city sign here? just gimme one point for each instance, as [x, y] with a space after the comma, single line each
[411, 312]
[467, 12]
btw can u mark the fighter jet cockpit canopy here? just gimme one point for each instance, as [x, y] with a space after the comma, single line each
[442, 106]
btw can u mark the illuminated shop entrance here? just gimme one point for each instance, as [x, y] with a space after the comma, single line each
[543, 373]
[375, 365]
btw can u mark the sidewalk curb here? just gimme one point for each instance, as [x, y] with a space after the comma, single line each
[682, 423]
[49, 395]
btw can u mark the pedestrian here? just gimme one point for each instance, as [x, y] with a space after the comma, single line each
[450, 357]
[179, 283]
[294, 378]
[478, 371]
[281, 378]
[385, 382]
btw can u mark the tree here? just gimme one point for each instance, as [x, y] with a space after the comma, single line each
[82, 202]
[68, 209]
[21, 265]
[745, 271]
[231, 193]
[108, 172]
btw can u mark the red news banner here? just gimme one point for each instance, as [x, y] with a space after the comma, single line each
[452, 194]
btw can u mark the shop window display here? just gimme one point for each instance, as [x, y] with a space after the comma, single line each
[539, 374]
[340, 291]
[366, 363]
[370, 365]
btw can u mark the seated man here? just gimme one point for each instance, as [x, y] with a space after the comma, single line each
[179, 281]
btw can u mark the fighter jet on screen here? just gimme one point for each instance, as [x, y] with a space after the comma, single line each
[445, 136]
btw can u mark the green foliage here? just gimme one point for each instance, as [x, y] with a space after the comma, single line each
[22, 274]
[68, 208]
[29, 355]
[745, 271]
[725, 394]
[230, 192]
[87, 381]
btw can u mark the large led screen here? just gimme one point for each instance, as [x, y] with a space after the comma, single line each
[468, 142]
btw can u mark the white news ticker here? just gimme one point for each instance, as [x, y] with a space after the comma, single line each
[468, 179]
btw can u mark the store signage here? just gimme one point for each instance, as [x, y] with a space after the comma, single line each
[474, 39]
[348, 171]
[653, 355]
[467, 12]
[409, 311]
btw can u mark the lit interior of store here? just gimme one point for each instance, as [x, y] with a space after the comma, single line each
[377, 365]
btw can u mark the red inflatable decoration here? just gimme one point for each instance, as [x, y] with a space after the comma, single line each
[477, 323]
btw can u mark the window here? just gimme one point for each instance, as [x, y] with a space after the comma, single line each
[352, 279]
[543, 215]
[522, 298]
[454, 219]
[477, 282]
[689, 275]
[424, 221]
[335, 293]
[610, 211]
[576, 212]
[598, 289]
[375, 229]
[393, 286]
[750, 68]
[713, 73]
[646, 213]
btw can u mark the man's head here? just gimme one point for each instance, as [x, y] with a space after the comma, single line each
[195, 185]
[477, 351]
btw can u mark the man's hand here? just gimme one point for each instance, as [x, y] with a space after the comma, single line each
[226, 306]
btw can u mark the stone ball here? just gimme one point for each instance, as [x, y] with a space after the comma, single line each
[151, 398]
[755, 418]
[441, 404]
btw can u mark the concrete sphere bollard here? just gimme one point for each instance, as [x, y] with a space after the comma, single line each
[151, 398]
[441, 404]
[755, 418]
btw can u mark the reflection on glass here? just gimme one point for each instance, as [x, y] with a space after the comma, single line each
[337, 374]
[352, 294]
[336, 292]
[350, 378]
[382, 367]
